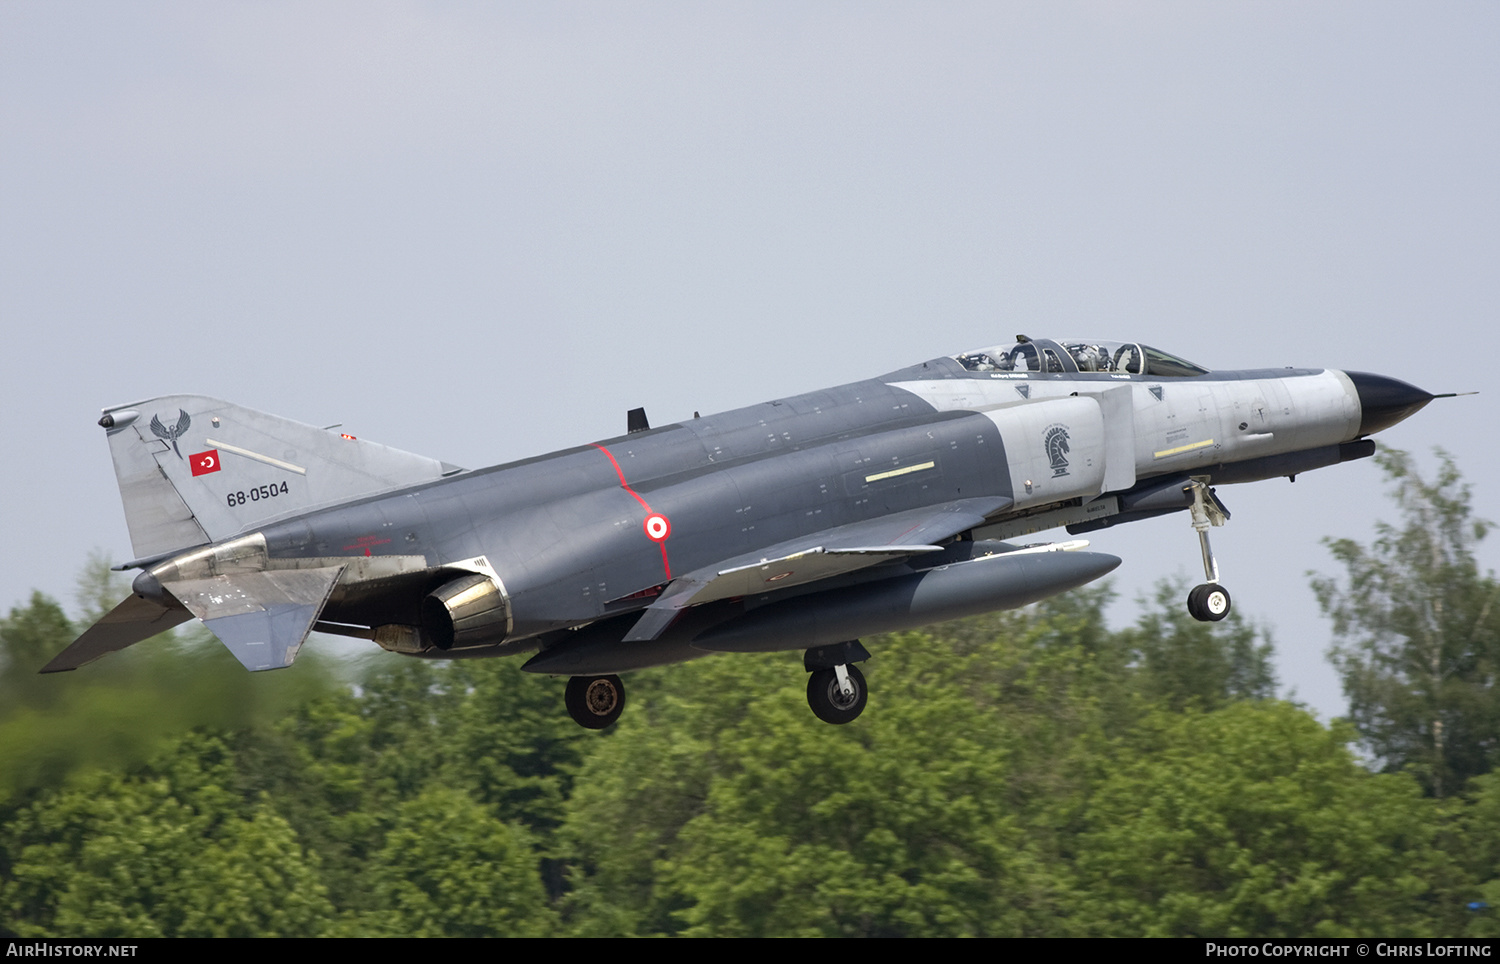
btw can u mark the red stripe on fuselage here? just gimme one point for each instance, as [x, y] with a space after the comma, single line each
[626, 486]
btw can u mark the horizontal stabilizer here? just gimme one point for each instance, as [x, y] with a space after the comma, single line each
[821, 555]
[132, 621]
[262, 617]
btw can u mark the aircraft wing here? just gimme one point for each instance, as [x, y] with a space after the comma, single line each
[820, 555]
[129, 623]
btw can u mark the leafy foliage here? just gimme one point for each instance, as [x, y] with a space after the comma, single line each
[164, 852]
[448, 868]
[1185, 663]
[1024, 773]
[1255, 821]
[1418, 632]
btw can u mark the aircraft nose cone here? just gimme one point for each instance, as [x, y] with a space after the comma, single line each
[1385, 401]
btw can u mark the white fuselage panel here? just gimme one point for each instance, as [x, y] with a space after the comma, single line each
[1061, 435]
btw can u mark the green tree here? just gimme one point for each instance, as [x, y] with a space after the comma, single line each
[343, 765]
[727, 809]
[98, 588]
[29, 637]
[1478, 845]
[449, 868]
[1417, 634]
[1182, 662]
[1256, 821]
[168, 851]
[953, 806]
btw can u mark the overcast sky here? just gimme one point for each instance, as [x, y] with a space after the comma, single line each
[484, 231]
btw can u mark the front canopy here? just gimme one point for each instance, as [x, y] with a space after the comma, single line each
[1079, 355]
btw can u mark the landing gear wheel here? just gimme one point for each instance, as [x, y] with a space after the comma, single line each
[828, 700]
[595, 701]
[1208, 603]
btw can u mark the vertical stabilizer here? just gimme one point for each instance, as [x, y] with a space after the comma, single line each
[194, 470]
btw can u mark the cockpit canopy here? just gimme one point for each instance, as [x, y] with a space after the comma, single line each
[1079, 355]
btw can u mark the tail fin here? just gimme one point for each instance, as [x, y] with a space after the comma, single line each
[194, 470]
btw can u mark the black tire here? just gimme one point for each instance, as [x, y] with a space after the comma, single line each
[1209, 602]
[595, 702]
[828, 701]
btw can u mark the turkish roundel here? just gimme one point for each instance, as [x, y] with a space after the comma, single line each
[205, 462]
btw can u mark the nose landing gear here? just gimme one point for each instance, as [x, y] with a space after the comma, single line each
[1208, 602]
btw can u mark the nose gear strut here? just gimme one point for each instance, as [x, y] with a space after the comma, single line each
[1208, 602]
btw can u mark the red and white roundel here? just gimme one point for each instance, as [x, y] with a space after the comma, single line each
[657, 527]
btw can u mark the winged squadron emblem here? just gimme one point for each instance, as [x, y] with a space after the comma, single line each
[174, 433]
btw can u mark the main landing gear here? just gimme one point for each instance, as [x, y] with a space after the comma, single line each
[1208, 602]
[595, 702]
[836, 690]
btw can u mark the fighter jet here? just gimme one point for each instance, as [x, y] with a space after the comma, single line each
[804, 523]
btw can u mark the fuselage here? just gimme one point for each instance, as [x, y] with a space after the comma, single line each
[600, 530]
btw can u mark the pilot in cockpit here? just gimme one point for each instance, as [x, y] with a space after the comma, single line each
[1090, 358]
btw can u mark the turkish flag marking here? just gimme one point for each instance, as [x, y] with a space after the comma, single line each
[205, 462]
